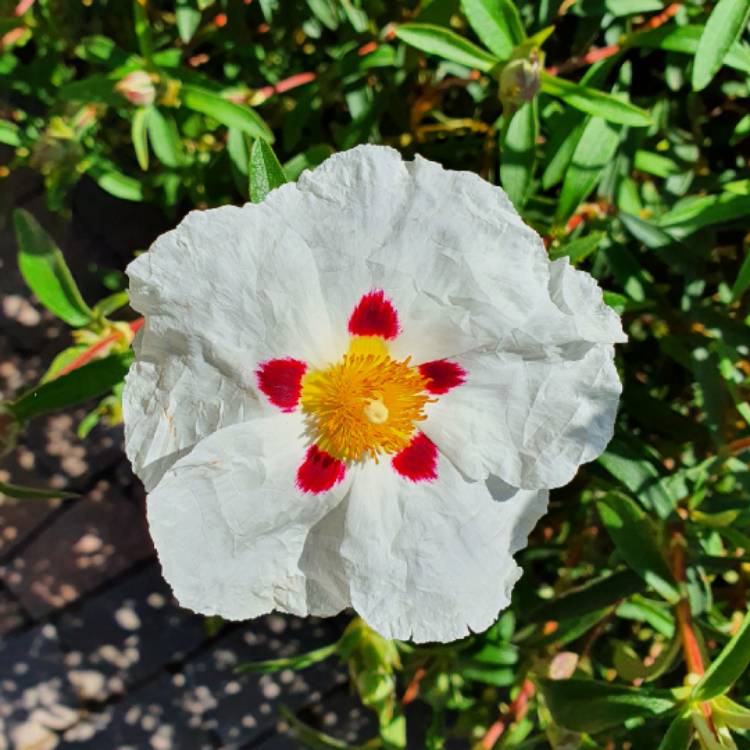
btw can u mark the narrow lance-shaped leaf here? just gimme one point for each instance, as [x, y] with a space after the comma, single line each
[78, 386]
[685, 40]
[594, 595]
[496, 23]
[436, 40]
[265, 171]
[727, 21]
[595, 102]
[44, 268]
[33, 493]
[301, 661]
[519, 153]
[727, 667]
[227, 113]
[595, 149]
[165, 138]
[139, 137]
[592, 706]
[679, 736]
[636, 540]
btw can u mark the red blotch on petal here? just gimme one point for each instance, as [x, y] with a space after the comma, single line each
[442, 375]
[418, 461]
[374, 315]
[320, 471]
[281, 381]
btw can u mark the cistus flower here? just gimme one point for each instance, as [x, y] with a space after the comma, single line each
[358, 392]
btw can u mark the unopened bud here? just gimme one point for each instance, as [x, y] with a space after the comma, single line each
[519, 81]
[138, 88]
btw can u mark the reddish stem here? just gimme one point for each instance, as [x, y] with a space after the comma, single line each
[600, 53]
[412, 689]
[516, 711]
[90, 353]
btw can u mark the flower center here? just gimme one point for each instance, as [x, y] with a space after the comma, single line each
[365, 404]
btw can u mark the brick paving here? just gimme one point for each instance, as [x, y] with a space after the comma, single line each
[94, 652]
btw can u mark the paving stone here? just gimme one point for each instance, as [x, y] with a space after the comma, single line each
[126, 634]
[96, 538]
[36, 701]
[12, 616]
[151, 718]
[239, 708]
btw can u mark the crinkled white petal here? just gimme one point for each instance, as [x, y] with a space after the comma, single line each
[432, 561]
[229, 524]
[226, 290]
[531, 422]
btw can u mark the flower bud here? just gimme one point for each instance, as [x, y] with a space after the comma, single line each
[138, 88]
[519, 81]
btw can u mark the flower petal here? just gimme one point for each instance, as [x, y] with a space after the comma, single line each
[374, 315]
[228, 289]
[230, 525]
[281, 381]
[442, 375]
[432, 561]
[530, 421]
[319, 472]
[418, 461]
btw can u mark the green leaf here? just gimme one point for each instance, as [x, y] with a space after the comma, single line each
[78, 386]
[595, 102]
[638, 474]
[731, 713]
[594, 595]
[139, 137]
[142, 29]
[629, 7]
[679, 736]
[227, 113]
[63, 359]
[265, 171]
[308, 159]
[165, 138]
[188, 19]
[726, 23]
[519, 153]
[697, 212]
[636, 539]
[649, 234]
[496, 23]
[9, 134]
[45, 271]
[565, 136]
[302, 661]
[727, 667]
[595, 150]
[116, 183]
[592, 706]
[579, 248]
[33, 493]
[742, 282]
[685, 39]
[436, 40]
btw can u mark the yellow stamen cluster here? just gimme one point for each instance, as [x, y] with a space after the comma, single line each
[366, 404]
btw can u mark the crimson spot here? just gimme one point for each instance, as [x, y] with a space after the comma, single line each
[442, 375]
[374, 315]
[418, 461]
[281, 381]
[320, 471]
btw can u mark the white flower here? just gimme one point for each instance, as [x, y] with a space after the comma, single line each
[356, 394]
